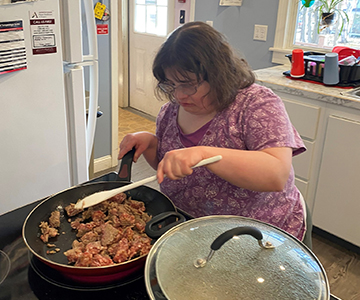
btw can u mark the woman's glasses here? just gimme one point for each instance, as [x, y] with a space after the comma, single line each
[186, 89]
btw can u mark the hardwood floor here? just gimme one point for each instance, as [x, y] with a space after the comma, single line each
[342, 266]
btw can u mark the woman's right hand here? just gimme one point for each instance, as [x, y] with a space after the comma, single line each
[143, 142]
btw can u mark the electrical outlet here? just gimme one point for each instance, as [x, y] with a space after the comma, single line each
[260, 32]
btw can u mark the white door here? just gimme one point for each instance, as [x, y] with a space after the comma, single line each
[150, 21]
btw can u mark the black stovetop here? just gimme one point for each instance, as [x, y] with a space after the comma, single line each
[30, 279]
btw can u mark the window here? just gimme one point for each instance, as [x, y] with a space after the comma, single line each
[151, 16]
[300, 28]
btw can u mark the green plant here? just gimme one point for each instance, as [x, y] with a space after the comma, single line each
[327, 10]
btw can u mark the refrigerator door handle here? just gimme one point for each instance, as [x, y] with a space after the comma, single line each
[94, 77]
[93, 104]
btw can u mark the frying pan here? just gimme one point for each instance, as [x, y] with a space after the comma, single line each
[155, 202]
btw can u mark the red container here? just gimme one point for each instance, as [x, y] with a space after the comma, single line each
[297, 63]
[345, 52]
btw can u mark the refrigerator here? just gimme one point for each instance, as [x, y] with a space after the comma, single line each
[46, 127]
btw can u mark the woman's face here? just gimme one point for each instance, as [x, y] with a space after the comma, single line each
[192, 96]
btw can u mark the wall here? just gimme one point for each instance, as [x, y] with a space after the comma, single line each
[237, 23]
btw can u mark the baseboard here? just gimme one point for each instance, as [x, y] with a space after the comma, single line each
[102, 163]
[336, 240]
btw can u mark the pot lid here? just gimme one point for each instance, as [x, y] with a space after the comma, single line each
[263, 262]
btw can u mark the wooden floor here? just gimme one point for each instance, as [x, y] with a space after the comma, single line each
[342, 266]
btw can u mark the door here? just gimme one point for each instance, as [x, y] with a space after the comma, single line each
[150, 21]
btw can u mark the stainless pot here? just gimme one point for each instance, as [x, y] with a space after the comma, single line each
[231, 257]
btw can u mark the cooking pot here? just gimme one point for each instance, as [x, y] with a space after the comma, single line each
[232, 257]
[155, 203]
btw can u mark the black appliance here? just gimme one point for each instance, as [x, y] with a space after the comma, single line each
[29, 278]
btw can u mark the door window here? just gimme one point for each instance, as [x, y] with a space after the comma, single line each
[151, 17]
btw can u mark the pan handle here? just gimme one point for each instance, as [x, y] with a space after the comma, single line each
[124, 173]
[152, 228]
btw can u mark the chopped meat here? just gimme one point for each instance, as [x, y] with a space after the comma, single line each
[122, 251]
[101, 260]
[109, 233]
[71, 210]
[84, 228]
[54, 219]
[89, 237]
[47, 232]
[73, 254]
[126, 219]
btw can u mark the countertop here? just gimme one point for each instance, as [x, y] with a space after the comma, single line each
[274, 79]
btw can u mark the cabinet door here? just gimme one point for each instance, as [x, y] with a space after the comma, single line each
[337, 201]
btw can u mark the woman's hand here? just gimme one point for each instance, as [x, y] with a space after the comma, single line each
[144, 142]
[177, 164]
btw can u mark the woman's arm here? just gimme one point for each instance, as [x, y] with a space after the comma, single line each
[145, 143]
[265, 170]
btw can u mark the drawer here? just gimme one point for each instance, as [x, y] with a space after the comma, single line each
[302, 162]
[304, 117]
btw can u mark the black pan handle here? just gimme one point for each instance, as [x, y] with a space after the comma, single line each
[152, 228]
[124, 173]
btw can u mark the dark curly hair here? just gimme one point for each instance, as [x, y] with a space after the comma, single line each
[198, 48]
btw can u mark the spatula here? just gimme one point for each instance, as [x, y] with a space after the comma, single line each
[99, 197]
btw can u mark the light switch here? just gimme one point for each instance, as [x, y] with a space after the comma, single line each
[260, 32]
[209, 23]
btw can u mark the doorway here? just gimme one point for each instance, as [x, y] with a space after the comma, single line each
[149, 24]
[139, 42]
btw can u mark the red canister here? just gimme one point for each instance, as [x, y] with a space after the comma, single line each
[297, 63]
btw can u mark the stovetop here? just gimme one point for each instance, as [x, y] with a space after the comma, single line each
[28, 278]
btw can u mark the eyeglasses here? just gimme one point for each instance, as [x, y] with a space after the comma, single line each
[187, 89]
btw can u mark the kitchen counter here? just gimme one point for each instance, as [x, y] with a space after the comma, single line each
[274, 79]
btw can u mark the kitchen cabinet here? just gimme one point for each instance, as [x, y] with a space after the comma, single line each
[337, 203]
[305, 118]
[327, 174]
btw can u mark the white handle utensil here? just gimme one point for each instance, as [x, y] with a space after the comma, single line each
[104, 195]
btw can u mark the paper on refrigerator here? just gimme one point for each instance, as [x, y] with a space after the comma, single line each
[12, 47]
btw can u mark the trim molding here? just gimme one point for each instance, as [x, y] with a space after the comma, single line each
[102, 163]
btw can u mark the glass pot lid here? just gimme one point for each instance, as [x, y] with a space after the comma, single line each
[263, 262]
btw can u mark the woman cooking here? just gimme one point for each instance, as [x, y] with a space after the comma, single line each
[216, 108]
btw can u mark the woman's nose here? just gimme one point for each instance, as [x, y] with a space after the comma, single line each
[178, 94]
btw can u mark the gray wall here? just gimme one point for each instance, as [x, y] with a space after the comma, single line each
[237, 24]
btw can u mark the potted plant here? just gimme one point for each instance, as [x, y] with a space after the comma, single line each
[327, 10]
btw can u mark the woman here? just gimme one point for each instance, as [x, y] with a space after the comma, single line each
[215, 108]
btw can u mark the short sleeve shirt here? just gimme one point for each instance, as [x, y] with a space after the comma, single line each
[256, 120]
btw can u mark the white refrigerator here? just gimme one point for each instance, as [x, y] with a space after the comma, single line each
[46, 128]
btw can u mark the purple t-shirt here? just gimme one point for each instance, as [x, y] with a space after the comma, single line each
[256, 120]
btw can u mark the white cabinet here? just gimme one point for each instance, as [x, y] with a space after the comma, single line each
[337, 200]
[328, 173]
[305, 117]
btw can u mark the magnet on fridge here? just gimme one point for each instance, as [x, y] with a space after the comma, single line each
[99, 10]
[106, 15]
